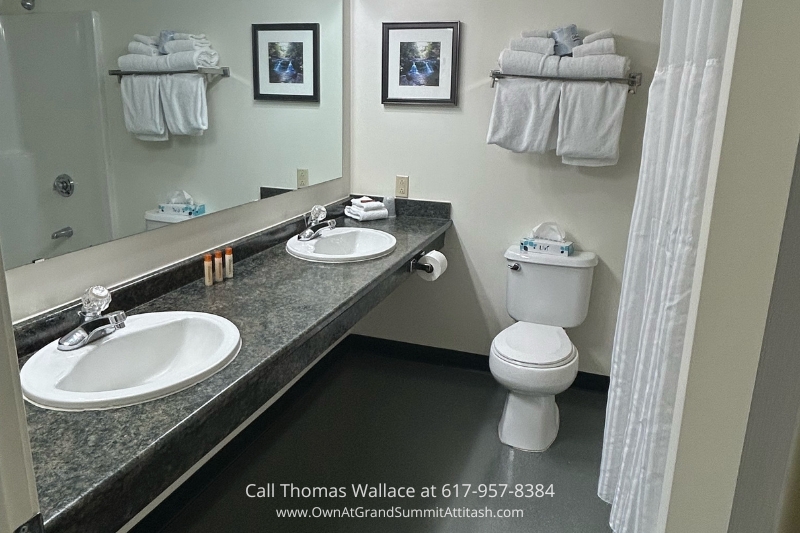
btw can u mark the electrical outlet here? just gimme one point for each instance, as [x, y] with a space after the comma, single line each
[302, 178]
[401, 186]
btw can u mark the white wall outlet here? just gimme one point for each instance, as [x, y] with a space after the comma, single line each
[401, 187]
[302, 178]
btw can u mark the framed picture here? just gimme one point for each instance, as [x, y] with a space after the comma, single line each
[420, 63]
[286, 62]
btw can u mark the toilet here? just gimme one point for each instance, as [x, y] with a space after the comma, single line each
[534, 358]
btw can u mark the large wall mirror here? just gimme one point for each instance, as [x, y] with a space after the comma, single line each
[72, 175]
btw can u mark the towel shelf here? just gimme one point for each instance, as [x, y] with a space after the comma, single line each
[633, 80]
[222, 72]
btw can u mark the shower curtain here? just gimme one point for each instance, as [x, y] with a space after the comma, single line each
[659, 266]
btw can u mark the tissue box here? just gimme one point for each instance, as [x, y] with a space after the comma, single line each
[546, 247]
[183, 209]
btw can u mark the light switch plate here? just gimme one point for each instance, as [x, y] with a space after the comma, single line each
[302, 178]
[401, 186]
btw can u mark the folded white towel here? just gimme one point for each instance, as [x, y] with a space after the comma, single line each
[590, 121]
[178, 61]
[606, 66]
[183, 97]
[146, 39]
[536, 33]
[539, 45]
[596, 48]
[366, 203]
[136, 47]
[605, 34]
[362, 215]
[178, 36]
[141, 105]
[186, 45]
[524, 114]
[528, 63]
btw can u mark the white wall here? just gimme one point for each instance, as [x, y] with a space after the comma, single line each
[497, 196]
[249, 144]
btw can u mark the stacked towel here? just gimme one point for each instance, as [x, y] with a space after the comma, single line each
[178, 61]
[528, 63]
[183, 97]
[146, 39]
[141, 104]
[365, 208]
[605, 34]
[536, 33]
[602, 66]
[137, 47]
[539, 45]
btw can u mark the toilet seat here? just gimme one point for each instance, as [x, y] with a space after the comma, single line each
[534, 346]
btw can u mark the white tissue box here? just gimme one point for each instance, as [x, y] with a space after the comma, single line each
[546, 247]
[183, 209]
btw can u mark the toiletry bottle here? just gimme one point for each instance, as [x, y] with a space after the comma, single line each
[209, 270]
[228, 262]
[389, 204]
[217, 265]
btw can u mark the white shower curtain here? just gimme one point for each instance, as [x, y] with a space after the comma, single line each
[662, 248]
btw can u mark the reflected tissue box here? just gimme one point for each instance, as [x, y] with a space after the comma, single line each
[544, 246]
[183, 209]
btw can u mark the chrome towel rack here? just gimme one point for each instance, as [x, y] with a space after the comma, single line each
[633, 80]
[210, 72]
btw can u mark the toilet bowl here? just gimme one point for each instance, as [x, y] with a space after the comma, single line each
[534, 362]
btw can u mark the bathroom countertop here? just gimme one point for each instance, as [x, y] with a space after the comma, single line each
[95, 470]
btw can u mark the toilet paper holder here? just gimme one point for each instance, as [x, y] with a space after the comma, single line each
[415, 265]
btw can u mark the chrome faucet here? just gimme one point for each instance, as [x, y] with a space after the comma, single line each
[95, 325]
[315, 223]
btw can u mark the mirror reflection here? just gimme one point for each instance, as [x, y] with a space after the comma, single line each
[89, 154]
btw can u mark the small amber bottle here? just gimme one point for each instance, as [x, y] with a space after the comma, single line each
[209, 270]
[228, 262]
[217, 265]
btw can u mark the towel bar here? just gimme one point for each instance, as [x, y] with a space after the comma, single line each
[222, 72]
[633, 80]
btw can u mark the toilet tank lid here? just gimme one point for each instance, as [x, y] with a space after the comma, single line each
[576, 260]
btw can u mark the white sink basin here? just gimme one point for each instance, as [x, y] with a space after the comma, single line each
[343, 245]
[155, 355]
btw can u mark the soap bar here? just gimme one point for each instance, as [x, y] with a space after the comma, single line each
[546, 247]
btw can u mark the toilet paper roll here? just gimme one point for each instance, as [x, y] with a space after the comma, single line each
[439, 263]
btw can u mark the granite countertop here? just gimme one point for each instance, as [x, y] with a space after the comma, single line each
[96, 469]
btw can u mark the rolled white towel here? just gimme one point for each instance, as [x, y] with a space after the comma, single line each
[528, 63]
[362, 215]
[136, 47]
[146, 39]
[596, 48]
[186, 45]
[605, 34]
[539, 45]
[178, 36]
[607, 66]
[536, 33]
[178, 61]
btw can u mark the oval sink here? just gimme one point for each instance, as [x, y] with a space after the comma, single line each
[154, 355]
[343, 245]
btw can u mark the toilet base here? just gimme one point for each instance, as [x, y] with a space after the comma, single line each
[529, 423]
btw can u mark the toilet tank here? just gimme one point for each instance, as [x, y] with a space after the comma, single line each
[549, 289]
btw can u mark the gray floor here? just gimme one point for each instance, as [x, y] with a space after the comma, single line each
[374, 419]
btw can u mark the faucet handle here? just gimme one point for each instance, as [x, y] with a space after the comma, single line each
[317, 215]
[95, 300]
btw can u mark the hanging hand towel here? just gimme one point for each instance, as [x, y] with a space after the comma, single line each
[141, 105]
[537, 45]
[362, 215]
[590, 121]
[136, 47]
[596, 48]
[523, 115]
[528, 63]
[183, 97]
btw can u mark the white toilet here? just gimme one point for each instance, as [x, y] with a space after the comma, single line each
[534, 358]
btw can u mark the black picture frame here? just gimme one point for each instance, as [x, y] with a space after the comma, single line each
[449, 100]
[260, 93]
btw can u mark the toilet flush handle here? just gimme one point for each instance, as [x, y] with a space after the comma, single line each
[515, 267]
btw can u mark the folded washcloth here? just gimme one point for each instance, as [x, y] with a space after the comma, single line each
[186, 45]
[183, 97]
[536, 33]
[178, 61]
[363, 215]
[606, 66]
[146, 39]
[136, 47]
[590, 121]
[366, 203]
[528, 63]
[539, 45]
[141, 105]
[605, 34]
[524, 114]
[178, 36]
[596, 48]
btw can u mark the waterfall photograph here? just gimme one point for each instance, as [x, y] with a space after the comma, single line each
[286, 62]
[419, 63]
